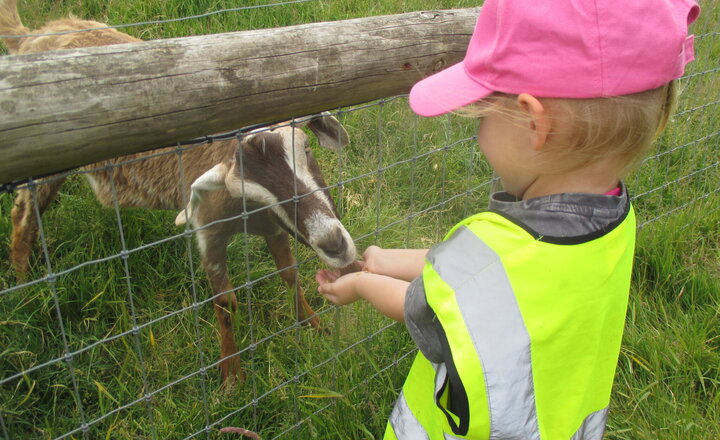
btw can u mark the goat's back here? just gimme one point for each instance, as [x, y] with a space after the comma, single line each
[10, 24]
[72, 40]
[154, 179]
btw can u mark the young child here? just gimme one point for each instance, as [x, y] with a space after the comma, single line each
[519, 312]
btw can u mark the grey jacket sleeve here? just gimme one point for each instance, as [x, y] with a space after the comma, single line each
[422, 323]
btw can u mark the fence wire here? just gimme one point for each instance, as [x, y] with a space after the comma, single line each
[114, 336]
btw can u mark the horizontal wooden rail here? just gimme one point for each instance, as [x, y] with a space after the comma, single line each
[68, 108]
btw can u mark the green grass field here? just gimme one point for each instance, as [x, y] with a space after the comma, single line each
[301, 384]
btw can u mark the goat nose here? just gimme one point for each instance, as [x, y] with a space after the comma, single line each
[334, 244]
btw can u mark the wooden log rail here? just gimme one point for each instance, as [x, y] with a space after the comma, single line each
[68, 108]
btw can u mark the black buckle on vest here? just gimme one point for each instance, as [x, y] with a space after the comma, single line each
[458, 404]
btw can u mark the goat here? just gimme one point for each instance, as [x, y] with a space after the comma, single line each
[271, 168]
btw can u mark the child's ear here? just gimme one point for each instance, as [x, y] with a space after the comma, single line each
[540, 122]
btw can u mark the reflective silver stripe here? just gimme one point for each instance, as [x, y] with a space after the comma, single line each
[404, 423]
[487, 308]
[593, 426]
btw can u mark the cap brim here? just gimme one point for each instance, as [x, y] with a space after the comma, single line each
[446, 91]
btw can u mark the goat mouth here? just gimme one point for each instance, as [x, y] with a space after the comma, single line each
[338, 255]
[336, 252]
[335, 248]
[333, 244]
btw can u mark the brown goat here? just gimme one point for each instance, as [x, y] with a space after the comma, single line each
[271, 168]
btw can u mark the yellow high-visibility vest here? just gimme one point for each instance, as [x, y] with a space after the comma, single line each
[532, 331]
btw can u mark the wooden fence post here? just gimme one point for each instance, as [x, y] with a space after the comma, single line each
[69, 108]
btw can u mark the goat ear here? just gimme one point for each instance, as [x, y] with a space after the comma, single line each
[330, 133]
[212, 180]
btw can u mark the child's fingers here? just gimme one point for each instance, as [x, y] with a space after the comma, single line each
[370, 252]
[325, 276]
[325, 288]
[321, 277]
[328, 292]
[330, 297]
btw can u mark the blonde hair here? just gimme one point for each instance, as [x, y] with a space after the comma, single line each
[620, 129]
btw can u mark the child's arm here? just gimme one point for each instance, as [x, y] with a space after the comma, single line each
[384, 293]
[403, 264]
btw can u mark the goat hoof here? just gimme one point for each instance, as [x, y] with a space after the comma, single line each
[231, 373]
[314, 322]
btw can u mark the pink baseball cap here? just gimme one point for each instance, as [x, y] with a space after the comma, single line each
[565, 49]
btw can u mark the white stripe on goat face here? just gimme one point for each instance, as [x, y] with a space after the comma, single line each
[270, 160]
[296, 154]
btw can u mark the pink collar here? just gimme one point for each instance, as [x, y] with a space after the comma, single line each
[615, 192]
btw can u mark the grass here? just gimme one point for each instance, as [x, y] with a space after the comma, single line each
[303, 385]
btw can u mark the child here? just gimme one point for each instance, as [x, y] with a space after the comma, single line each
[519, 313]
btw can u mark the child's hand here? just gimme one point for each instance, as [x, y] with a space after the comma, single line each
[337, 288]
[385, 293]
[372, 258]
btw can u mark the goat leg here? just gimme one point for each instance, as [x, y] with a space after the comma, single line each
[279, 246]
[213, 249]
[26, 224]
[230, 365]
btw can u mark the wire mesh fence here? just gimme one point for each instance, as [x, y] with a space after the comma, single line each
[112, 332]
